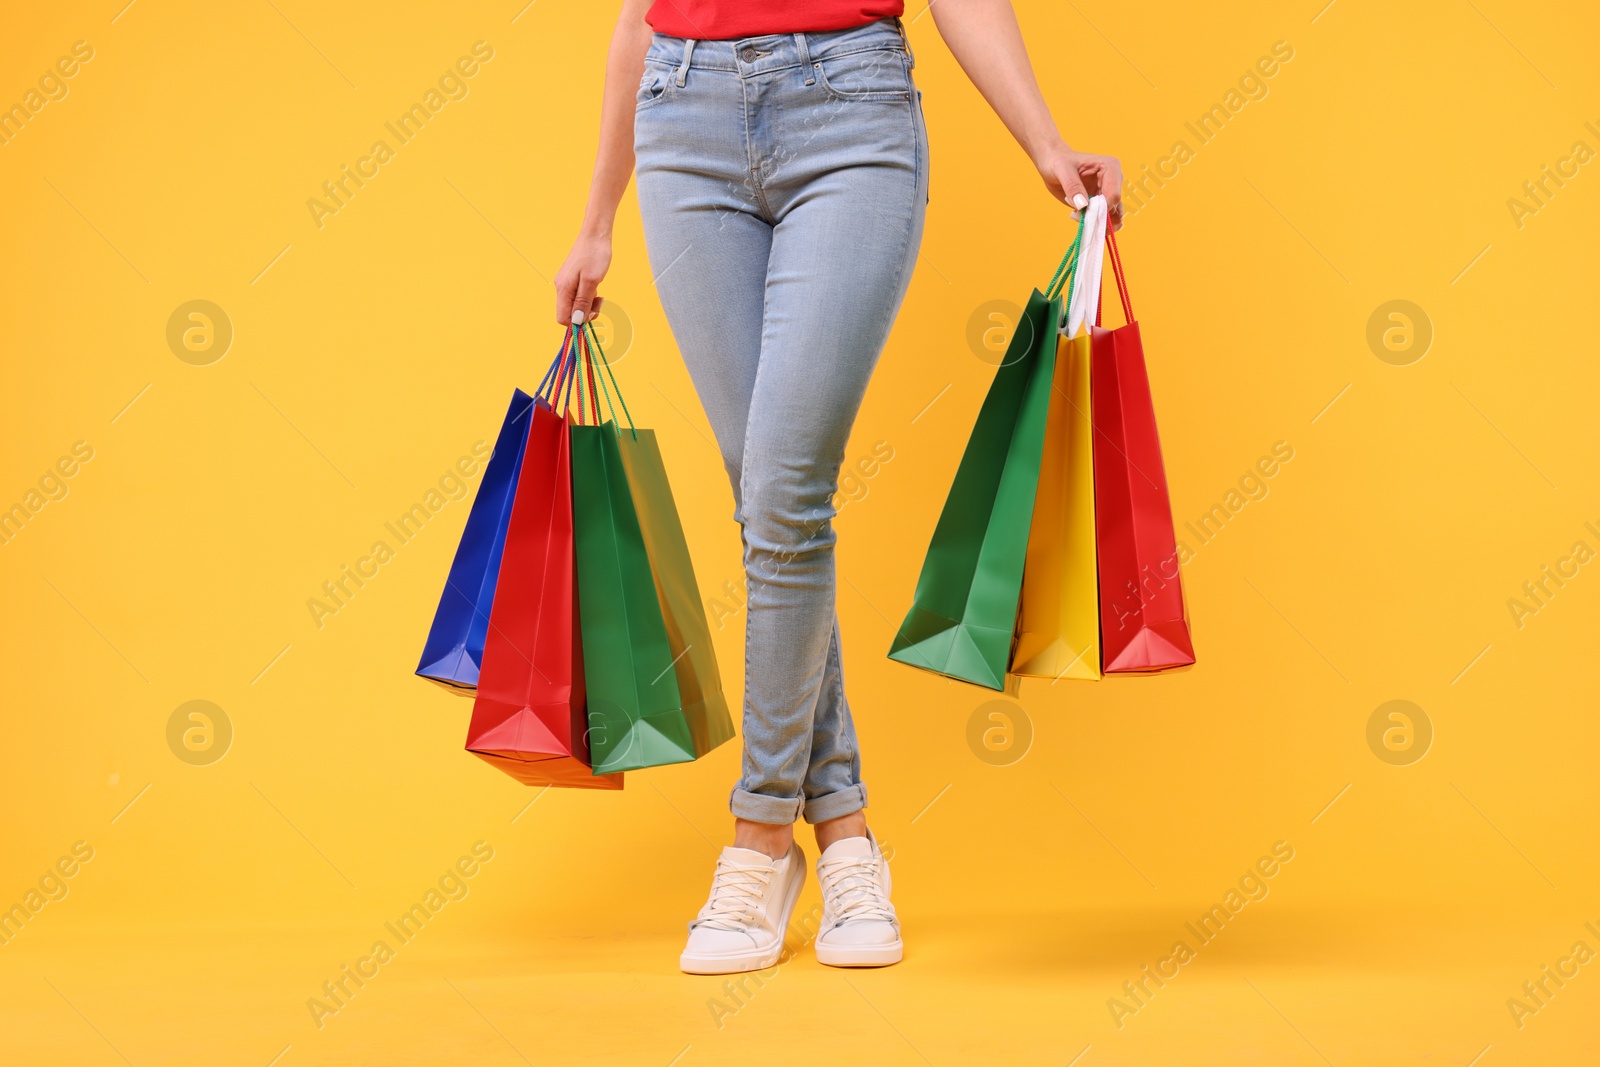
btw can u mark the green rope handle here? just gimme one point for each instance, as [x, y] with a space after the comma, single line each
[1066, 260]
[1064, 294]
[1071, 258]
[606, 392]
[606, 364]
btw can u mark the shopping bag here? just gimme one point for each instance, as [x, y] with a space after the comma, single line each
[1058, 621]
[636, 710]
[453, 653]
[528, 718]
[964, 612]
[1058, 625]
[1143, 623]
[688, 634]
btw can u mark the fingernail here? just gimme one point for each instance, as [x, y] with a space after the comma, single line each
[1080, 201]
[577, 318]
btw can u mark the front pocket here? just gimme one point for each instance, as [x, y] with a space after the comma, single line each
[877, 74]
[652, 89]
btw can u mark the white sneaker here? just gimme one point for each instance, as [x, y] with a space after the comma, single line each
[859, 927]
[742, 924]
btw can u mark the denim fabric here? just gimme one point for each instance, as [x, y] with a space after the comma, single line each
[783, 181]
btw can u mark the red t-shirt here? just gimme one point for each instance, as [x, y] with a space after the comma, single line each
[720, 20]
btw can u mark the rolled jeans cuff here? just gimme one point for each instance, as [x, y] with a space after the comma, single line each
[757, 807]
[846, 801]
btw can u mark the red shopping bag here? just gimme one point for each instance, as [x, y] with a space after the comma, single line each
[1143, 624]
[529, 718]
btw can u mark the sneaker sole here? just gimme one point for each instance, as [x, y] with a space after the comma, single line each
[861, 955]
[748, 961]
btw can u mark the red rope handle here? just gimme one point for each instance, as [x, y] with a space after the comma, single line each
[574, 369]
[1116, 268]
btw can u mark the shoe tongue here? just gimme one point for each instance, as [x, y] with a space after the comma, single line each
[747, 857]
[848, 848]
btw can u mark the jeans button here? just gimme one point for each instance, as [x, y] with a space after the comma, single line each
[748, 54]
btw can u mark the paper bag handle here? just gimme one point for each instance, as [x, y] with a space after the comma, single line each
[1085, 286]
[573, 370]
[1116, 270]
[1068, 266]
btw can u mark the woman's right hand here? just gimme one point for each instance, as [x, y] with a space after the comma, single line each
[580, 276]
[1072, 177]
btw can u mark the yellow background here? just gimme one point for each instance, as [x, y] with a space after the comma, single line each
[370, 353]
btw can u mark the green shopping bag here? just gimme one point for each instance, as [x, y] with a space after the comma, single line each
[964, 613]
[636, 713]
[688, 634]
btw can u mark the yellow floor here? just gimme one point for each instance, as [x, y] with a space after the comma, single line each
[1374, 989]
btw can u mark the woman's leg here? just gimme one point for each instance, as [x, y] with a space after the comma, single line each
[715, 255]
[841, 257]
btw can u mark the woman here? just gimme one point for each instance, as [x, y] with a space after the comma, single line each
[782, 171]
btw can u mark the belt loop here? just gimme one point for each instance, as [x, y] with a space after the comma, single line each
[683, 68]
[805, 58]
[905, 42]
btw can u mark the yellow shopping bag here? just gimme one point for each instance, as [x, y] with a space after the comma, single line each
[1058, 626]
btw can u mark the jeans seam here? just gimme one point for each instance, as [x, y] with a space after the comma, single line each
[919, 139]
[916, 181]
[744, 539]
[837, 641]
[836, 648]
[755, 178]
[744, 709]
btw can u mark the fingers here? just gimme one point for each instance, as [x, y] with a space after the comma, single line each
[584, 301]
[1089, 176]
[1108, 182]
[1072, 190]
[566, 291]
[1111, 184]
[579, 277]
[576, 301]
[1114, 210]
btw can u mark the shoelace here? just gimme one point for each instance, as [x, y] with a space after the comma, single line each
[736, 894]
[850, 886]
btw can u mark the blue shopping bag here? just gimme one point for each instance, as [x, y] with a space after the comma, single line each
[454, 651]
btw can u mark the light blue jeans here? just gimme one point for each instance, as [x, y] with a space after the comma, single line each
[783, 181]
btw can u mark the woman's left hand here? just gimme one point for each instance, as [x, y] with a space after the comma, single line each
[1072, 177]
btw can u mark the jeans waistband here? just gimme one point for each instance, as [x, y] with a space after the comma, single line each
[776, 51]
